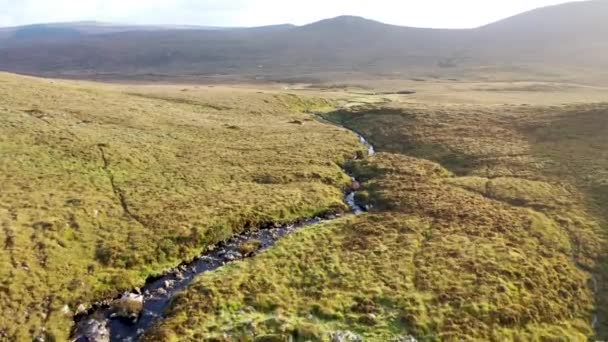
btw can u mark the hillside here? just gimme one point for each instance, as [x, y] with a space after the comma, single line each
[568, 34]
[84, 28]
[103, 186]
[544, 41]
[487, 209]
[486, 225]
[341, 181]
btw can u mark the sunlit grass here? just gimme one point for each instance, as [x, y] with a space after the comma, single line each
[102, 187]
[483, 228]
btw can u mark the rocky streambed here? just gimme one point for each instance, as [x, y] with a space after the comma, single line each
[126, 318]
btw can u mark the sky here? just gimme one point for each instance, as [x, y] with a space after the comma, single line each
[417, 13]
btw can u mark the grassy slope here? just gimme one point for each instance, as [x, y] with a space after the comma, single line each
[102, 187]
[549, 159]
[496, 238]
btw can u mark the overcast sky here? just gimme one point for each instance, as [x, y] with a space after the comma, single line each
[419, 13]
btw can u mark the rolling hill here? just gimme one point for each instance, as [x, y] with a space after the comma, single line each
[550, 38]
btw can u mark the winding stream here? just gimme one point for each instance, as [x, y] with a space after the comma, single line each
[101, 324]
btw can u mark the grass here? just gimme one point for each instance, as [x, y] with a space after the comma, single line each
[104, 185]
[488, 217]
[487, 224]
[549, 161]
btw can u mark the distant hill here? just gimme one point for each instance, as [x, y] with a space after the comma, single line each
[570, 35]
[37, 32]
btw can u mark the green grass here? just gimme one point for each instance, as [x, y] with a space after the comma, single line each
[487, 225]
[102, 187]
[550, 161]
[440, 264]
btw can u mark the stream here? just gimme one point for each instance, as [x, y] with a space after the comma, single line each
[136, 313]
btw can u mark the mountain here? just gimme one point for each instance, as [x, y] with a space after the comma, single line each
[569, 35]
[55, 31]
[572, 33]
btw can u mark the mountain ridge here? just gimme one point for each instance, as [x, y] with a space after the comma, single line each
[343, 44]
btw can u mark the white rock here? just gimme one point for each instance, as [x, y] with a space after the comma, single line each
[129, 306]
[66, 310]
[345, 336]
[81, 309]
[93, 330]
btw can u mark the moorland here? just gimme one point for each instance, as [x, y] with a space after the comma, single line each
[104, 186]
[486, 201]
[487, 223]
[487, 207]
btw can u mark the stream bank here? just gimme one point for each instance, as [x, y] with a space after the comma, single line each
[127, 318]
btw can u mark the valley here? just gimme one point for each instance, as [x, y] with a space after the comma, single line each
[343, 180]
[480, 228]
[103, 188]
[479, 222]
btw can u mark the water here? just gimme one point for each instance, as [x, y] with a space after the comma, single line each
[355, 208]
[159, 293]
[370, 149]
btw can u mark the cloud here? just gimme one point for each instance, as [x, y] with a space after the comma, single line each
[429, 13]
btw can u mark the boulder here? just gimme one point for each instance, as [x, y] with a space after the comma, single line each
[92, 329]
[129, 306]
[233, 255]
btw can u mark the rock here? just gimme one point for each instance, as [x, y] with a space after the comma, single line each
[81, 310]
[93, 329]
[161, 292]
[355, 186]
[369, 319]
[248, 248]
[129, 306]
[66, 310]
[168, 284]
[345, 336]
[233, 255]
